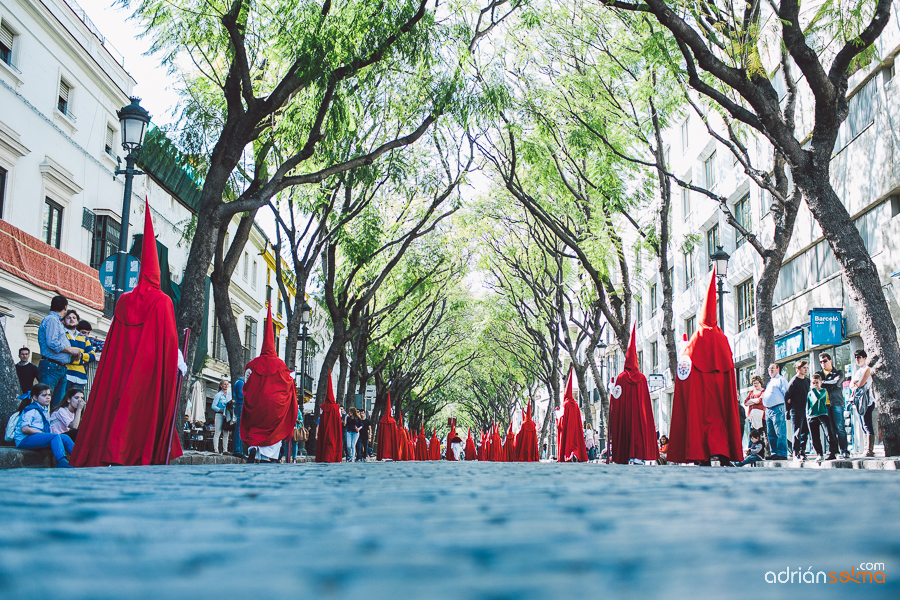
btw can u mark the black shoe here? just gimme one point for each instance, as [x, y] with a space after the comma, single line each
[251, 457]
[777, 457]
[831, 457]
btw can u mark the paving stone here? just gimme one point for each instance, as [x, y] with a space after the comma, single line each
[423, 530]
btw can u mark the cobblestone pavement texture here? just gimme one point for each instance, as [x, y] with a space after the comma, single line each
[449, 530]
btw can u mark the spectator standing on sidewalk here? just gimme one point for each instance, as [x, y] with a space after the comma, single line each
[56, 352]
[795, 401]
[776, 426]
[861, 390]
[362, 446]
[817, 414]
[76, 374]
[352, 425]
[833, 382]
[756, 412]
[26, 371]
[220, 401]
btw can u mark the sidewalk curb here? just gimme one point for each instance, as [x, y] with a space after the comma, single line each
[871, 464]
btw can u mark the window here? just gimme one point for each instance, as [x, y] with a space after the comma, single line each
[6, 44]
[685, 202]
[639, 312]
[690, 326]
[2, 189]
[688, 268]
[277, 346]
[246, 265]
[110, 137]
[652, 300]
[712, 242]
[746, 305]
[65, 92]
[249, 339]
[255, 276]
[219, 352]
[709, 171]
[105, 241]
[742, 214]
[52, 233]
[861, 113]
[667, 154]
[280, 305]
[654, 356]
[684, 135]
[640, 356]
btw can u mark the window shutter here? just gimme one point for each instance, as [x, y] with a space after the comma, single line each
[110, 135]
[63, 90]
[6, 36]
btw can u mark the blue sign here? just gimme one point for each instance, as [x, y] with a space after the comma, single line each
[108, 274]
[789, 345]
[825, 326]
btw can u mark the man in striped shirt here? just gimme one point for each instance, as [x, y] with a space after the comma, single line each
[76, 331]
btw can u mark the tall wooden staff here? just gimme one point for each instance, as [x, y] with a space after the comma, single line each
[187, 339]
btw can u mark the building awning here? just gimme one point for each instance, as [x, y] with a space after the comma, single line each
[28, 258]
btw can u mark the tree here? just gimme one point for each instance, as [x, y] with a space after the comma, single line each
[723, 43]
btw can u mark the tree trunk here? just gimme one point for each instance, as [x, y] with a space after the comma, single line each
[863, 284]
[342, 379]
[604, 397]
[9, 382]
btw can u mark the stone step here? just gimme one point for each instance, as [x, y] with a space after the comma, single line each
[877, 463]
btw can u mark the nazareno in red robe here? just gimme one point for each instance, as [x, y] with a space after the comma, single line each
[270, 395]
[471, 451]
[496, 447]
[134, 396]
[705, 418]
[509, 448]
[527, 444]
[329, 442]
[449, 453]
[410, 446]
[434, 446]
[571, 429]
[632, 430]
[388, 444]
[421, 445]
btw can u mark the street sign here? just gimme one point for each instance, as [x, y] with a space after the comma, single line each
[656, 381]
[825, 326]
[108, 274]
[789, 345]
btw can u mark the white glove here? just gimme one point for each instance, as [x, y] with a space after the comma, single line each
[182, 366]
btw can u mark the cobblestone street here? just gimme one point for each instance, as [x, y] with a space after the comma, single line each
[449, 530]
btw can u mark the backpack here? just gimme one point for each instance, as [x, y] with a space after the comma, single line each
[12, 426]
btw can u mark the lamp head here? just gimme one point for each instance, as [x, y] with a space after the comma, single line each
[133, 120]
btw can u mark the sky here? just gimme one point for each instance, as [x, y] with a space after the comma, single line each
[155, 86]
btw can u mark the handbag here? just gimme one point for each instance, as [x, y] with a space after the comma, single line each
[861, 399]
[301, 434]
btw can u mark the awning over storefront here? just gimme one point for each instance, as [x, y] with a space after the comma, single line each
[50, 269]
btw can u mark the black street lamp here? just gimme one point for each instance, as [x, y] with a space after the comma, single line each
[133, 120]
[305, 312]
[720, 258]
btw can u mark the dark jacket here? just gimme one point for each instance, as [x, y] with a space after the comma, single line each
[833, 384]
[795, 399]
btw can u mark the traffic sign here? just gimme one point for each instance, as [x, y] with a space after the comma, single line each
[108, 274]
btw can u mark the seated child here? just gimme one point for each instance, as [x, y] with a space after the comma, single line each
[34, 427]
[67, 418]
[753, 452]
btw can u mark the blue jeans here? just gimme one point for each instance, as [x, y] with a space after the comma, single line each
[836, 415]
[238, 445]
[776, 430]
[59, 443]
[748, 461]
[54, 375]
[350, 439]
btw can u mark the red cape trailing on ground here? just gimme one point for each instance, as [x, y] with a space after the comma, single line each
[527, 444]
[270, 396]
[329, 442]
[434, 446]
[471, 451]
[421, 445]
[388, 438]
[705, 419]
[128, 418]
[496, 447]
[631, 427]
[571, 430]
[509, 448]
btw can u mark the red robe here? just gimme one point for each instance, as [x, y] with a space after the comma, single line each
[449, 453]
[631, 427]
[705, 410]
[509, 448]
[410, 446]
[421, 445]
[129, 418]
[388, 438]
[483, 448]
[270, 396]
[571, 429]
[471, 451]
[434, 446]
[527, 444]
[496, 447]
[329, 442]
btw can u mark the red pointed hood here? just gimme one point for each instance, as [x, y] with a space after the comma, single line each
[569, 395]
[528, 413]
[386, 417]
[268, 342]
[709, 349]
[329, 399]
[149, 258]
[632, 372]
[470, 433]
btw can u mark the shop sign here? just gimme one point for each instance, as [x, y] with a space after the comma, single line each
[825, 326]
[789, 345]
[107, 273]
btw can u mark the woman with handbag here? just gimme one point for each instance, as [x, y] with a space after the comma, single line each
[220, 403]
[861, 393]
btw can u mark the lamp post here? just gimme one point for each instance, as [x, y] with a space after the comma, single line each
[720, 257]
[305, 311]
[133, 120]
